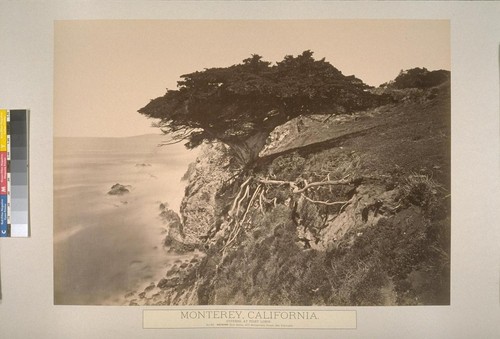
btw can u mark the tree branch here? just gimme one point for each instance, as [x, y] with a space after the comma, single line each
[171, 142]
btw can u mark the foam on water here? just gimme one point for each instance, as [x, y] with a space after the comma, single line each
[106, 245]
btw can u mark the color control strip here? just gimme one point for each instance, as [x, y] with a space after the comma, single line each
[14, 193]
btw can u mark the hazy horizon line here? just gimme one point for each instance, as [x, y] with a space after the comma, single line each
[110, 137]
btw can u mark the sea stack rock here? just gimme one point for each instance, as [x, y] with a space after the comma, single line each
[118, 189]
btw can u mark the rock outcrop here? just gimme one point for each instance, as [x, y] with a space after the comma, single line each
[199, 207]
[340, 210]
[118, 189]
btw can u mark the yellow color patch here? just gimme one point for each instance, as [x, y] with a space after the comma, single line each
[3, 130]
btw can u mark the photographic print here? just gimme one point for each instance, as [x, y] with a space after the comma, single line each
[252, 162]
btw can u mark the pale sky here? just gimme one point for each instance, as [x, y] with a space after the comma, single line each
[105, 70]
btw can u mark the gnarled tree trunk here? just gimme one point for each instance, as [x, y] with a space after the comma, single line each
[247, 150]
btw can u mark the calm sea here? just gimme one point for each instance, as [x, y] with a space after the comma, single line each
[104, 245]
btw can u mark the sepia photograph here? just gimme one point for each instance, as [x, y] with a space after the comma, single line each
[252, 162]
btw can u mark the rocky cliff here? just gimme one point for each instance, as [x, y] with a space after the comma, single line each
[339, 210]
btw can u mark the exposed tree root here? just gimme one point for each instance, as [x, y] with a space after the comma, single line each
[247, 197]
[236, 221]
[327, 203]
[296, 189]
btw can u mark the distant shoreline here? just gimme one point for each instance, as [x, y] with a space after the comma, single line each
[149, 135]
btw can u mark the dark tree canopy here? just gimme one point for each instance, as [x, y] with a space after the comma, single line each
[240, 105]
[420, 78]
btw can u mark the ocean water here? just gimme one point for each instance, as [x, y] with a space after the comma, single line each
[104, 245]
